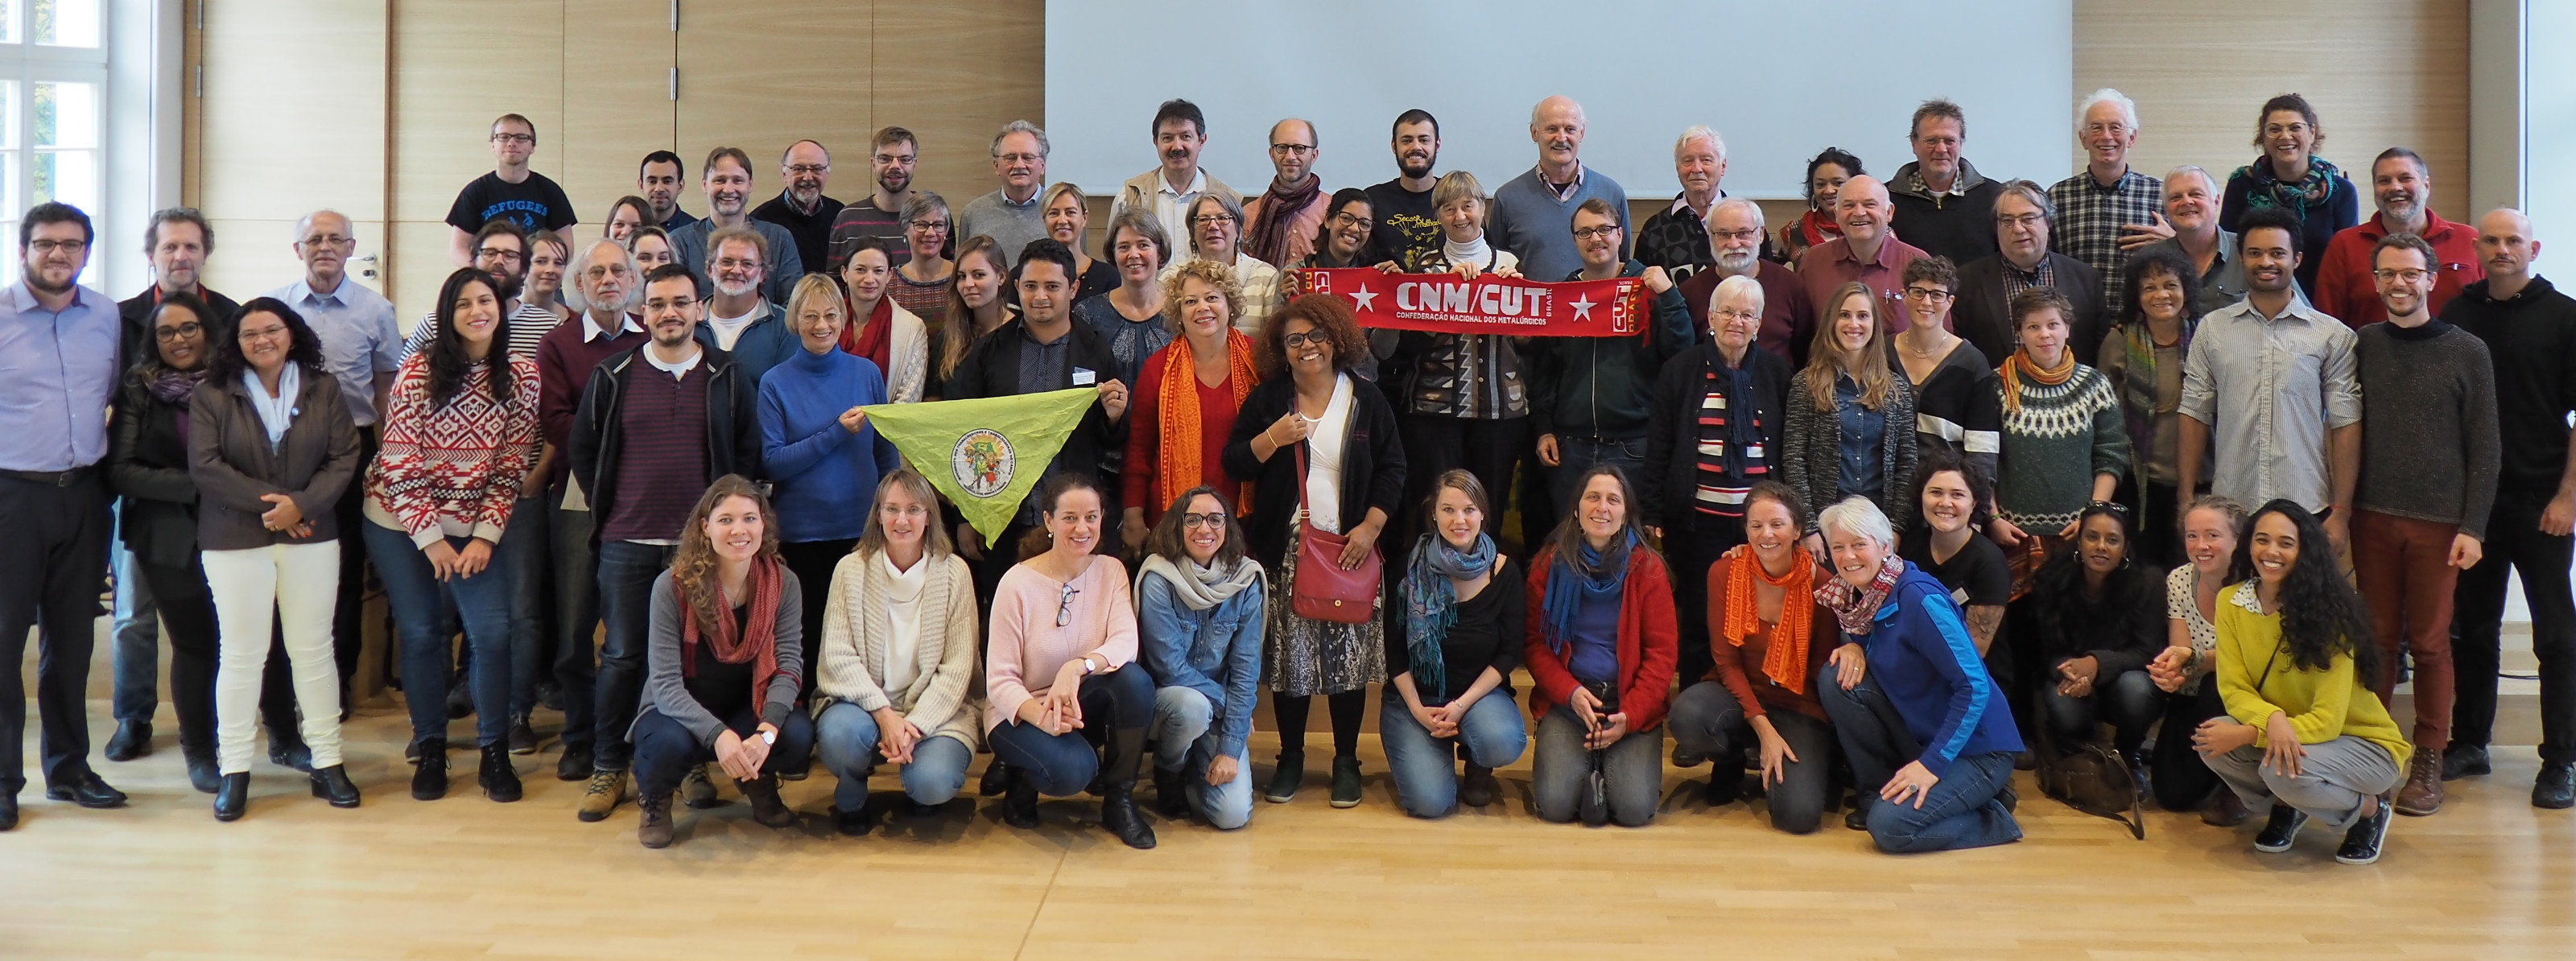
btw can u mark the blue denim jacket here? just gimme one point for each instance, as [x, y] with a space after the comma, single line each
[1216, 652]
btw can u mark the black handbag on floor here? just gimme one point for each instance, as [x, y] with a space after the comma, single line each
[2092, 779]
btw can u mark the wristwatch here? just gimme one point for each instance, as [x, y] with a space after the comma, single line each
[768, 737]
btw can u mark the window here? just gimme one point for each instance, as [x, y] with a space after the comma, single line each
[53, 85]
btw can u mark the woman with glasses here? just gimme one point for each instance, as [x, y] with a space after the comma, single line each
[2064, 445]
[1067, 708]
[2099, 616]
[2143, 356]
[1343, 241]
[922, 284]
[1187, 396]
[147, 468]
[1199, 613]
[1061, 210]
[1955, 405]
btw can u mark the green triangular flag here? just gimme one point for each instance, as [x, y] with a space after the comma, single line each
[984, 454]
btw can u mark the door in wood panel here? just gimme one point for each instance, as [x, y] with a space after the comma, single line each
[965, 68]
[617, 60]
[797, 70]
[281, 136]
[457, 65]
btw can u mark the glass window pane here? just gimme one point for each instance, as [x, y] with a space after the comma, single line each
[70, 176]
[9, 21]
[66, 23]
[66, 115]
[9, 129]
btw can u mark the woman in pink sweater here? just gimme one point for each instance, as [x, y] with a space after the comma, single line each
[1058, 671]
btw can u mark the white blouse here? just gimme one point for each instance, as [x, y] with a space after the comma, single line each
[1324, 459]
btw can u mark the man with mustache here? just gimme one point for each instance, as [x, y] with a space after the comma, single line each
[1180, 133]
[1283, 221]
[1010, 215]
[2108, 209]
[802, 208]
[1407, 228]
[1942, 204]
[738, 320]
[2403, 189]
[1735, 238]
[511, 191]
[657, 180]
[1533, 215]
[726, 177]
[657, 424]
[879, 215]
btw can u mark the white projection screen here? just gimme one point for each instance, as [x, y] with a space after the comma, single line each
[1779, 81]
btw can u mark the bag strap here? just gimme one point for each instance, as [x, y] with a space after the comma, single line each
[1301, 474]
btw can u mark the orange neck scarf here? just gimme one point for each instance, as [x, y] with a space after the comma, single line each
[1786, 660]
[2019, 367]
[1179, 460]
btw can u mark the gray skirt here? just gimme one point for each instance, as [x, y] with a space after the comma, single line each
[1302, 657]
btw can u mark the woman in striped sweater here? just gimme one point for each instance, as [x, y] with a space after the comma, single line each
[2064, 443]
[458, 438]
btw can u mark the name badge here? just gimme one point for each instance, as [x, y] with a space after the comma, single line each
[1084, 378]
[1959, 596]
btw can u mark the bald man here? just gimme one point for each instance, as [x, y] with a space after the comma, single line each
[1281, 223]
[1533, 214]
[802, 208]
[2530, 331]
[1867, 252]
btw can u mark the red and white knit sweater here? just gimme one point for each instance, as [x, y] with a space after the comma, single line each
[453, 471]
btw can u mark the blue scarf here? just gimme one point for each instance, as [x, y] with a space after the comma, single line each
[1599, 576]
[1431, 605]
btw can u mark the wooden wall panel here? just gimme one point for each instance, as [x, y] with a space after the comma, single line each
[797, 70]
[954, 73]
[2381, 73]
[260, 114]
[617, 57]
[456, 64]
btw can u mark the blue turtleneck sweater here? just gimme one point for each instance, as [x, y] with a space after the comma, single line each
[823, 476]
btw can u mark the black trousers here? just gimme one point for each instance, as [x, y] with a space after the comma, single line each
[813, 562]
[1435, 444]
[2183, 781]
[1693, 551]
[189, 621]
[2514, 541]
[348, 616]
[53, 564]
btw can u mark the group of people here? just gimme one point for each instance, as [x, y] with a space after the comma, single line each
[1849, 510]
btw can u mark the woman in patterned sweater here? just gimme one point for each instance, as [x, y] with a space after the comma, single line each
[2063, 445]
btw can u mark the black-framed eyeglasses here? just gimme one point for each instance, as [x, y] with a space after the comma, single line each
[1315, 337]
[1064, 607]
[173, 334]
[1588, 233]
[1195, 521]
[500, 253]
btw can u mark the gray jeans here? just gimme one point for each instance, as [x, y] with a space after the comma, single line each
[1633, 768]
[136, 661]
[2332, 778]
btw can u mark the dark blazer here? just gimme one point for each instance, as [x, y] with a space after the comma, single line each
[1982, 316]
[992, 369]
[136, 337]
[147, 467]
[1811, 451]
[230, 462]
[599, 430]
[1669, 492]
[1372, 466]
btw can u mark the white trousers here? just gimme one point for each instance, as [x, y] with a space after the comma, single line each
[300, 585]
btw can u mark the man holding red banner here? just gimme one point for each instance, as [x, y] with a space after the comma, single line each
[1591, 395]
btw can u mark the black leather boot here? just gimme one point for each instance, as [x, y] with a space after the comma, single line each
[499, 779]
[1019, 800]
[1118, 790]
[233, 797]
[429, 780]
[203, 774]
[332, 784]
[1171, 793]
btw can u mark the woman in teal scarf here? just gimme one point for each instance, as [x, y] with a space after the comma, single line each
[2290, 175]
[2143, 356]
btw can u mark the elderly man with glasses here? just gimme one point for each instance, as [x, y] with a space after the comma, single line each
[2022, 217]
[802, 208]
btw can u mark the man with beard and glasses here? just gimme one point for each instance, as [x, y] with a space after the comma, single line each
[802, 208]
[58, 370]
[1172, 189]
[1533, 215]
[2403, 189]
[1012, 216]
[879, 215]
[501, 252]
[1281, 223]
[750, 328]
[1735, 237]
[510, 192]
[1407, 228]
[726, 177]
[657, 424]
[658, 180]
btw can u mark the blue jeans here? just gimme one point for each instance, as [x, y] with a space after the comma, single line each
[1709, 723]
[846, 737]
[413, 590]
[1960, 811]
[1182, 742]
[626, 573]
[665, 750]
[1061, 765]
[576, 620]
[1576, 455]
[1424, 767]
[1634, 768]
[525, 542]
[136, 651]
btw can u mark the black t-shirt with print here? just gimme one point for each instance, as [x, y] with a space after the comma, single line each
[1406, 231]
[534, 204]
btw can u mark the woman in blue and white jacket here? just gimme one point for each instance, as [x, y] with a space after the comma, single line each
[1198, 623]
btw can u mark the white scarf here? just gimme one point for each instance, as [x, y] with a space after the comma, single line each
[275, 413]
[1200, 588]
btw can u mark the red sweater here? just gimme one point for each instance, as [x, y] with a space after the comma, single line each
[1145, 437]
[453, 470]
[2347, 292]
[564, 361]
[1649, 641]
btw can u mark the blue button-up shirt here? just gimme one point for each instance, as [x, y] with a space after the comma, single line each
[359, 339]
[1863, 433]
[58, 370]
[2271, 389]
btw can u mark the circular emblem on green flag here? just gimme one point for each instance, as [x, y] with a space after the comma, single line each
[982, 462]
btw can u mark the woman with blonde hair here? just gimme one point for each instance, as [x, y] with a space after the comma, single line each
[1063, 210]
[1187, 395]
[816, 444]
[1850, 426]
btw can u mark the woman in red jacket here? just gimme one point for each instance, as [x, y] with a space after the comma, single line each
[1602, 644]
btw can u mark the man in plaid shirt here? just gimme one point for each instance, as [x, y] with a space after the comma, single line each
[2108, 210]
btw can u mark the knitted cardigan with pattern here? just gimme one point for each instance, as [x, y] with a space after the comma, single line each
[2062, 436]
[941, 699]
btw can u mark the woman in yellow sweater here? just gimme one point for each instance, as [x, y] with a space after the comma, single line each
[2303, 734]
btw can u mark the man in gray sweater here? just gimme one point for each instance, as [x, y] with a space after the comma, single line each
[2429, 460]
[1533, 214]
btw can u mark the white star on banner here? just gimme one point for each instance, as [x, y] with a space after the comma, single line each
[1582, 307]
[1364, 297]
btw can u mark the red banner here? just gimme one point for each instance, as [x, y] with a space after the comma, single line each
[1442, 303]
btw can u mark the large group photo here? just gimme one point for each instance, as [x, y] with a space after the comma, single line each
[2059, 506]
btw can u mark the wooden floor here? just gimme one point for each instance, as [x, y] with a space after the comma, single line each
[2487, 878]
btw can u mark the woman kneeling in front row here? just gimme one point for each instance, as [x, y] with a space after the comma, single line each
[1451, 649]
[1762, 618]
[1199, 610]
[723, 664]
[1601, 649]
[1930, 741]
[894, 675]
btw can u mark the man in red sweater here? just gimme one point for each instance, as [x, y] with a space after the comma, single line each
[2403, 189]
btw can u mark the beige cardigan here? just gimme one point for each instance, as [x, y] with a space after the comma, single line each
[941, 700]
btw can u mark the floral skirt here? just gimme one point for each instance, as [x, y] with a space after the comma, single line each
[1302, 657]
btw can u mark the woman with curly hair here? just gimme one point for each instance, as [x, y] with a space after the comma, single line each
[2304, 736]
[1187, 395]
[2099, 617]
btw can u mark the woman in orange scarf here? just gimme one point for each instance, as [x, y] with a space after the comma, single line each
[2064, 442]
[1762, 623]
[1186, 397]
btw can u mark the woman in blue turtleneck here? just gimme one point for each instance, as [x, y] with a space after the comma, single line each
[815, 445]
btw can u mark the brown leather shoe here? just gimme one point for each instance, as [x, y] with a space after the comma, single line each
[2224, 810]
[654, 829]
[766, 806]
[2422, 794]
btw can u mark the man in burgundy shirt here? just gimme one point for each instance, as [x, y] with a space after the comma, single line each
[605, 285]
[657, 424]
[1867, 252]
[2403, 190]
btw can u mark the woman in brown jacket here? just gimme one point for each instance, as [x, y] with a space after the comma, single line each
[271, 449]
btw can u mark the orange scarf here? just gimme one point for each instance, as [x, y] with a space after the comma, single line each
[1178, 462]
[2019, 366]
[1786, 660]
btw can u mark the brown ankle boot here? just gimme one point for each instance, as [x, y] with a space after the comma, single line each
[2422, 794]
[2224, 810]
[766, 806]
[654, 830]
